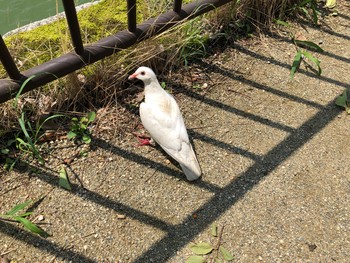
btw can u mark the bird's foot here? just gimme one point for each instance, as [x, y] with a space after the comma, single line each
[144, 140]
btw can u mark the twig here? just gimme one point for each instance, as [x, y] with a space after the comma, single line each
[7, 252]
[218, 243]
[150, 176]
[88, 235]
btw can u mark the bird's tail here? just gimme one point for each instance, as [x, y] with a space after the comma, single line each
[191, 174]
[190, 166]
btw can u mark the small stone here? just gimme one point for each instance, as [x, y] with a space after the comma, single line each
[121, 216]
[205, 85]
[41, 218]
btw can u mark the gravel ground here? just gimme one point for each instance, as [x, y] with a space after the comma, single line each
[273, 153]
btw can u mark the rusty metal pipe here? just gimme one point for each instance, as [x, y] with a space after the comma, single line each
[177, 6]
[131, 5]
[7, 61]
[73, 24]
[70, 62]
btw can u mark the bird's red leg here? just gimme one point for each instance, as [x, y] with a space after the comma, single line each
[144, 140]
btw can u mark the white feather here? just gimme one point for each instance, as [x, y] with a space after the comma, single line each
[161, 116]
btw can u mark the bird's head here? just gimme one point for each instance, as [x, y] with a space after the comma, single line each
[145, 74]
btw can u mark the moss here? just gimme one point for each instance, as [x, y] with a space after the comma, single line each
[45, 42]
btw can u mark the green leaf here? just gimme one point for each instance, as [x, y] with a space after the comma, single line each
[342, 99]
[31, 226]
[214, 230]
[195, 259]
[64, 182]
[5, 151]
[18, 208]
[304, 3]
[331, 3]
[25, 214]
[84, 120]
[308, 44]
[226, 254]
[314, 60]
[91, 116]
[218, 260]
[86, 138]
[202, 248]
[71, 135]
[296, 64]
[314, 14]
[281, 22]
[305, 11]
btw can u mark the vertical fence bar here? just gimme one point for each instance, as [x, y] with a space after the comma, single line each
[7, 61]
[131, 15]
[177, 6]
[73, 24]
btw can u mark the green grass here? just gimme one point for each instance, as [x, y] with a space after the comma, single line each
[14, 215]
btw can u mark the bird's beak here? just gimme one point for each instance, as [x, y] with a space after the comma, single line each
[133, 76]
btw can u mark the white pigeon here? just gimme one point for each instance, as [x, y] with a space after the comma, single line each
[161, 116]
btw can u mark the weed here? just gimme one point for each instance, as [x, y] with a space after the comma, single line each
[32, 134]
[301, 54]
[204, 248]
[194, 42]
[64, 181]
[79, 128]
[304, 7]
[13, 215]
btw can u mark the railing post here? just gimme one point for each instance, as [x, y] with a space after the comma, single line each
[73, 24]
[7, 61]
[177, 6]
[131, 15]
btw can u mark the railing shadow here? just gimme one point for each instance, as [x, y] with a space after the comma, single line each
[43, 244]
[183, 233]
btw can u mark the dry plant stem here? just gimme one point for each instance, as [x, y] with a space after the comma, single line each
[7, 252]
[150, 176]
[218, 244]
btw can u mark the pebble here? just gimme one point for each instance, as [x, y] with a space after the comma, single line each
[119, 216]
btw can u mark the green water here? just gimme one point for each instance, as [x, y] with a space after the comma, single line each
[17, 13]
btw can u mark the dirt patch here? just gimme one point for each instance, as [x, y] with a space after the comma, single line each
[273, 153]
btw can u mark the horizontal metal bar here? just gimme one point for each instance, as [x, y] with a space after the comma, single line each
[70, 62]
[7, 61]
[73, 24]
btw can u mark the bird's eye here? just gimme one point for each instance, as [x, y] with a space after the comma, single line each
[143, 73]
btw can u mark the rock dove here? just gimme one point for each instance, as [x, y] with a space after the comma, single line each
[161, 116]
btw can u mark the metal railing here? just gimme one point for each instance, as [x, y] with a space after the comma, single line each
[85, 55]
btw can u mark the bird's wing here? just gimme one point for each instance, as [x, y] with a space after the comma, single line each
[167, 128]
[165, 124]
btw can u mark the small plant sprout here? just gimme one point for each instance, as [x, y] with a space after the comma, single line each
[31, 132]
[14, 216]
[79, 128]
[64, 181]
[302, 54]
[218, 252]
[342, 101]
[304, 7]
